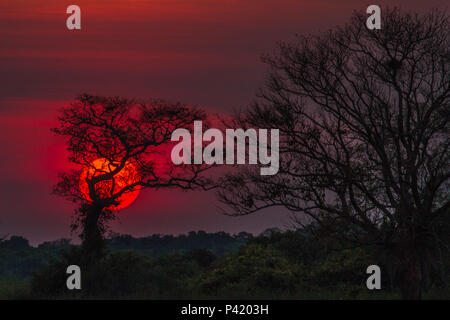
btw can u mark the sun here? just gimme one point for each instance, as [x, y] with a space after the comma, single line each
[127, 176]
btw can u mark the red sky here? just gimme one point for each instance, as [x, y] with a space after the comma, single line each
[202, 52]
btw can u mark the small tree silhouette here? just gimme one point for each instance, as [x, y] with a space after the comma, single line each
[120, 147]
[365, 144]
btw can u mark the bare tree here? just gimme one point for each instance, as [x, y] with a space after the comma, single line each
[364, 124]
[131, 141]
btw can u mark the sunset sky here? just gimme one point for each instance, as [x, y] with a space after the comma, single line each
[201, 52]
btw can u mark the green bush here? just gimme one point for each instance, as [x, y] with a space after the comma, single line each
[11, 289]
[253, 271]
[345, 266]
[50, 281]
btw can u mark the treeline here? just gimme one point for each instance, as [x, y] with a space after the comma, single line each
[218, 243]
[18, 259]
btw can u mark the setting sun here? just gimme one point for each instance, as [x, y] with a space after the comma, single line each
[127, 176]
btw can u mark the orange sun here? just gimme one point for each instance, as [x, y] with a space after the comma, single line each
[127, 176]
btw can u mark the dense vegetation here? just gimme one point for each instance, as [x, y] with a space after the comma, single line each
[274, 265]
[19, 260]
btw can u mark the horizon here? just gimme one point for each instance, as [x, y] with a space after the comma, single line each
[77, 241]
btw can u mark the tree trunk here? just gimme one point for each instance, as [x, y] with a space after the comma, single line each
[93, 242]
[411, 276]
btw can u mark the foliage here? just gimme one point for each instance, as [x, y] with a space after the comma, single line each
[254, 269]
[275, 265]
[19, 260]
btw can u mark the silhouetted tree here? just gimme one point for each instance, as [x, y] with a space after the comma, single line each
[364, 128]
[132, 142]
[16, 242]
